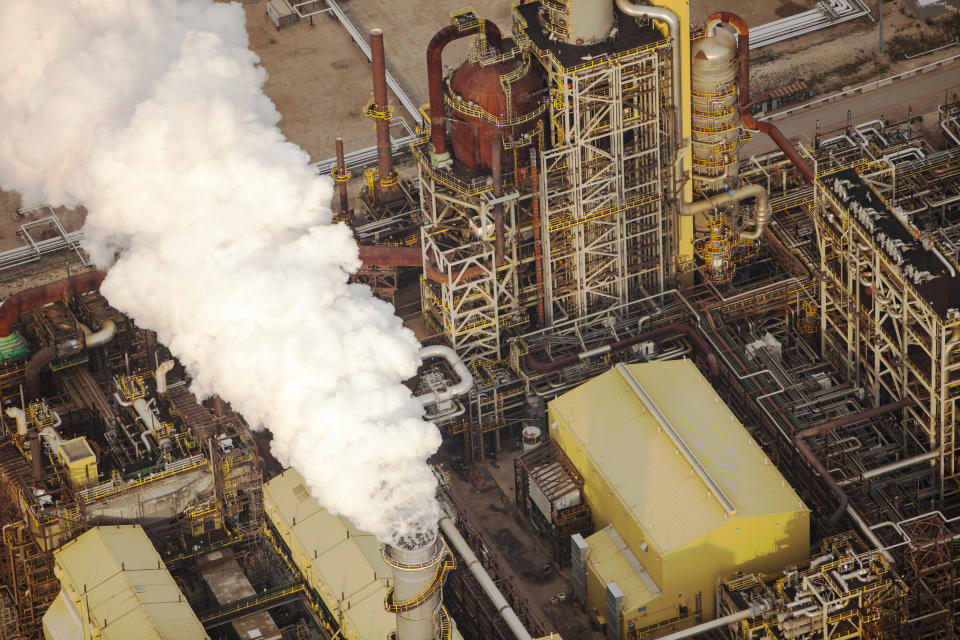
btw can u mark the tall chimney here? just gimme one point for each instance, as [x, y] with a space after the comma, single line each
[418, 574]
[386, 188]
[341, 175]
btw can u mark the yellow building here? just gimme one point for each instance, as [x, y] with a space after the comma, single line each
[680, 492]
[114, 586]
[340, 563]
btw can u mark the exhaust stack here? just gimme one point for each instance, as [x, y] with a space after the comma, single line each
[380, 111]
[419, 571]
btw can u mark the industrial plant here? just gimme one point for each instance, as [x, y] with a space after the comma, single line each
[683, 391]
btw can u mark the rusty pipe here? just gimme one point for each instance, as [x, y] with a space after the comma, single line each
[438, 122]
[28, 299]
[496, 174]
[824, 473]
[743, 49]
[340, 176]
[666, 331]
[35, 454]
[537, 235]
[743, 83]
[386, 192]
[382, 256]
[843, 421]
[35, 366]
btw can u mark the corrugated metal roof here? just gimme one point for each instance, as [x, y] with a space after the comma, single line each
[609, 563]
[665, 495]
[128, 591]
[346, 560]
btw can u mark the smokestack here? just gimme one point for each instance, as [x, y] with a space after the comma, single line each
[418, 575]
[386, 189]
[340, 176]
[35, 454]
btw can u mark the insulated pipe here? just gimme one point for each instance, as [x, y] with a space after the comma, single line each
[98, 339]
[893, 466]
[384, 256]
[486, 583]
[384, 152]
[627, 7]
[20, 416]
[438, 121]
[824, 473]
[761, 213]
[28, 299]
[669, 330]
[496, 171]
[460, 369]
[843, 421]
[161, 376]
[753, 611]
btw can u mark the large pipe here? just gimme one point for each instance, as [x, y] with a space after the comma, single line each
[385, 256]
[824, 473]
[20, 416]
[792, 154]
[888, 468]
[35, 367]
[438, 122]
[753, 611]
[95, 340]
[384, 151]
[460, 369]
[486, 583]
[161, 376]
[496, 171]
[843, 421]
[761, 213]
[669, 330]
[28, 299]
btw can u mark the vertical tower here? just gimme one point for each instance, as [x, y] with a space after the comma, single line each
[417, 599]
[601, 182]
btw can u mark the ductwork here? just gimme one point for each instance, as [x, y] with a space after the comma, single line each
[438, 122]
[460, 388]
[761, 213]
[161, 376]
[384, 256]
[12, 307]
[100, 338]
[20, 416]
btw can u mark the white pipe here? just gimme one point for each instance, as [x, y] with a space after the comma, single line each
[893, 466]
[51, 434]
[761, 214]
[459, 389]
[20, 416]
[94, 340]
[486, 583]
[161, 375]
[946, 263]
[754, 610]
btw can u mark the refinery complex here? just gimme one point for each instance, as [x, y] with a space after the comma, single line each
[684, 391]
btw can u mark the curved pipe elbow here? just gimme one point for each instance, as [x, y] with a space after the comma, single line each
[161, 375]
[108, 330]
[459, 368]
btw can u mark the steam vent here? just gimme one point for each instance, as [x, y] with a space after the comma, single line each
[325, 322]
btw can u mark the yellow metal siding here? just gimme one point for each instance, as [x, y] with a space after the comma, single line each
[638, 480]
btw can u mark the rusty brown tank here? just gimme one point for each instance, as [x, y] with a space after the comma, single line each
[505, 99]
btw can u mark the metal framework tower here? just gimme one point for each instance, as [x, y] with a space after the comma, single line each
[602, 221]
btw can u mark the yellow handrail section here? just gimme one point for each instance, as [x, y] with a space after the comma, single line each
[439, 575]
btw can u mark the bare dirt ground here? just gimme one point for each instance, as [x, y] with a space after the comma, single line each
[846, 55]
[755, 13]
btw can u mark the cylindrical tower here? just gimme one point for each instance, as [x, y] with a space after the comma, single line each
[416, 597]
[715, 119]
[578, 22]
[493, 98]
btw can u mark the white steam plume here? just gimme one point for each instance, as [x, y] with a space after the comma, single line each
[217, 235]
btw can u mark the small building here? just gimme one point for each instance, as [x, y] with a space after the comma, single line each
[681, 495]
[342, 565]
[114, 586]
